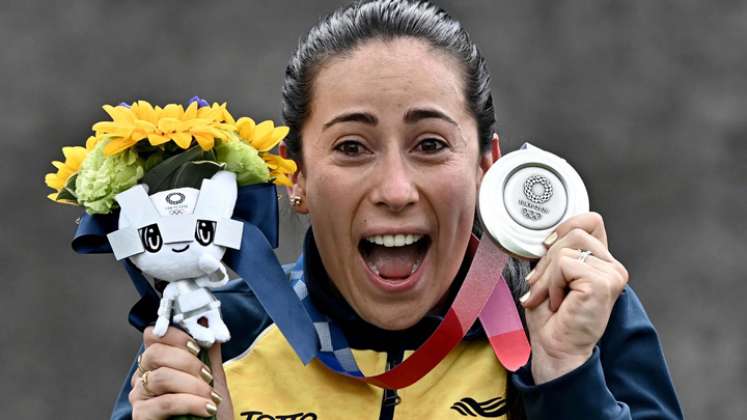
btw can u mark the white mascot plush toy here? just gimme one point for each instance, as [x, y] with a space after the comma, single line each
[180, 236]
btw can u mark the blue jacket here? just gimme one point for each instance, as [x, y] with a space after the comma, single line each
[625, 378]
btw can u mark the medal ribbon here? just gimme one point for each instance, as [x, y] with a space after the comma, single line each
[484, 294]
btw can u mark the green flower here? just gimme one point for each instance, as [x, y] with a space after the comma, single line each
[102, 177]
[244, 160]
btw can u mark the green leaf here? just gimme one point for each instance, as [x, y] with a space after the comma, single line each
[191, 174]
[68, 192]
[152, 160]
[160, 177]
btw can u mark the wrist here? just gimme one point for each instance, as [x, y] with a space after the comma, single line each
[546, 367]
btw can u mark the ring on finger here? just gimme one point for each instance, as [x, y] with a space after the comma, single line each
[584, 254]
[144, 380]
[140, 371]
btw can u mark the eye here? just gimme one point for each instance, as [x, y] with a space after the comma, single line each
[151, 238]
[431, 145]
[205, 232]
[351, 148]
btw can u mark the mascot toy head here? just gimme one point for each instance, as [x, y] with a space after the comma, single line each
[167, 234]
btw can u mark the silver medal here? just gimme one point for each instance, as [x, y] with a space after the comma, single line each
[525, 195]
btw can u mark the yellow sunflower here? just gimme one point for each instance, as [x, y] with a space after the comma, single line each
[264, 137]
[142, 121]
[74, 157]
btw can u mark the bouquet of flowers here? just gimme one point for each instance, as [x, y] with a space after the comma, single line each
[175, 193]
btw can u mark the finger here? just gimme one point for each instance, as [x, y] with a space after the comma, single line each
[606, 276]
[550, 281]
[585, 282]
[168, 405]
[536, 279]
[576, 239]
[591, 222]
[537, 317]
[173, 337]
[599, 258]
[220, 386]
[163, 355]
[558, 280]
[137, 373]
[166, 380]
[579, 239]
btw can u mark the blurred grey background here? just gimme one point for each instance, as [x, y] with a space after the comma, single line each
[647, 99]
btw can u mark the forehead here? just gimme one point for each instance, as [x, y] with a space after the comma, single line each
[390, 74]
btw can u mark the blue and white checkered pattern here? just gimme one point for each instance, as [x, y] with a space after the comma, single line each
[334, 350]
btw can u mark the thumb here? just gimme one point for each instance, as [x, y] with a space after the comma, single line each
[220, 385]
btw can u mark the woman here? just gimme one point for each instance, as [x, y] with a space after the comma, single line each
[392, 125]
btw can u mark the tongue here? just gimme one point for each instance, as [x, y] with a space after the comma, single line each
[395, 262]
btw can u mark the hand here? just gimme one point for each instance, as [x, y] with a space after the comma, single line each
[177, 381]
[570, 302]
[208, 264]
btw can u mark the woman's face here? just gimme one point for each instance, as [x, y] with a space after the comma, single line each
[390, 175]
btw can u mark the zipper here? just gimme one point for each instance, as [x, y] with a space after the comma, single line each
[390, 398]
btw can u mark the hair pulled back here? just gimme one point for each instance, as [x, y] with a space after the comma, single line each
[348, 27]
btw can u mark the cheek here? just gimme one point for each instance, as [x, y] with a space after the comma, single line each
[332, 200]
[454, 199]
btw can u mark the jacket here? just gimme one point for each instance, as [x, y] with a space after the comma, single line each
[625, 378]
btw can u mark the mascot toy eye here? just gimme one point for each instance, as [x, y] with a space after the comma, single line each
[151, 238]
[205, 232]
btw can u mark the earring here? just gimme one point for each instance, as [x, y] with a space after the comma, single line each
[295, 200]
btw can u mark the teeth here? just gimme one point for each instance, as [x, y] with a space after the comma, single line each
[414, 267]
[394, 240]
[374, 268]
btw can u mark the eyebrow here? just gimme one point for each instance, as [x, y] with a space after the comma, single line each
[362, 117]
[412, 116]
[417, 114]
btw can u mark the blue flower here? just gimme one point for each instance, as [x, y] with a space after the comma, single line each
[200, 102]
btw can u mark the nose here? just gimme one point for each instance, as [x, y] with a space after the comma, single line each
[396, 189]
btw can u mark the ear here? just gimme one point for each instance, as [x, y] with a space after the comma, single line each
[299, 183]
[488, 158]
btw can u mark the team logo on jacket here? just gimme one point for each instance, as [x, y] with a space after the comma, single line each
[468, 407]
[258, 415]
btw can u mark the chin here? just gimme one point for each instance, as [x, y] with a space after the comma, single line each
[400, 317]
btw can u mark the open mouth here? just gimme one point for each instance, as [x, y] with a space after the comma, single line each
[186, 247]
[394, 258]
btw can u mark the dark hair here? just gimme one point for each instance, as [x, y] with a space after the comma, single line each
[347, 27]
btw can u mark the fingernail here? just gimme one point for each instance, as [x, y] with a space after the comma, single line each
[206, 375]
[525, 297]
[193, 347]
[211, 409]
[551, 239]
[529, 276]
[216, 397]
